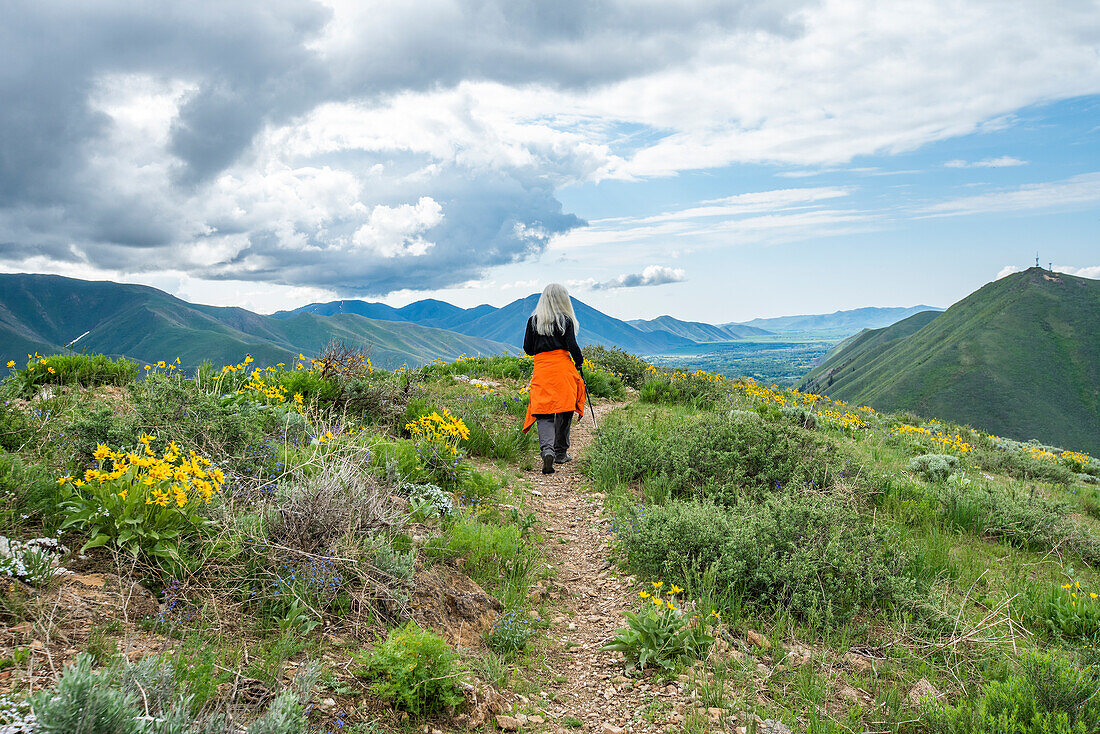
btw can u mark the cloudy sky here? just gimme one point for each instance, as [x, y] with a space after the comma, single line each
[712, 160]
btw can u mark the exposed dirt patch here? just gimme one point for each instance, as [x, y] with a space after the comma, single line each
[452, 604]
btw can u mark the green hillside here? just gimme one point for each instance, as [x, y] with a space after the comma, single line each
[43, 313]
[1019, 357]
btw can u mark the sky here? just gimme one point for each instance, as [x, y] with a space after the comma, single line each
[715, 161]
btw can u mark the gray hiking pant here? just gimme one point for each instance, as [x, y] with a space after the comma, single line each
[554, 433]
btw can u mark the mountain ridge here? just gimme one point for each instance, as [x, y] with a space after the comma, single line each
[45, 312]
[846, 322]
[1017, 357]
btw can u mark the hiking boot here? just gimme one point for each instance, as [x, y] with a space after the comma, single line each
[563, 459]
[548, 464]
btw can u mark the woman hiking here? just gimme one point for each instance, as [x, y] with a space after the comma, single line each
[557, 388]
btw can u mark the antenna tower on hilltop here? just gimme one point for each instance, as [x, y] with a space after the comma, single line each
[1036, 258]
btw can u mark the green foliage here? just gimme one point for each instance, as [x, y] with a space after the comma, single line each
[680, 389]
[813, 555]
[85, 703]
[495, 425]
[178, 410]
[145, 504]
[72, 369]
[933, 467]
[1022, 518]
[799, 417]
[315, 388]
[603, 384]
[285, 715]
[502, 367]
[1049, 695]
[1022, 465]
[710, 455]
[629, 368]
[660, 636]
[1068, 611]
[143, 698]
[510, 631]
[414, 670]
[28, 495]
[493, 555]
[17, 426]
[378, 398]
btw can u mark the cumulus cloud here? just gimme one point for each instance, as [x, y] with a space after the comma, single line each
[1004, 161]
[1090, 271]
[651, 275]
[365, 148]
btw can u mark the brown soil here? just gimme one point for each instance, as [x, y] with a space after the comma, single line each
[586, 683]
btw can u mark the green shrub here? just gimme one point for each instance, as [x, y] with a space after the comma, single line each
[812, 554]
[603, 384]
[630, 369]
[710, 455]
[680, 389]
[1023, 519]
[414, 670]
[28, 495]
[1050, 695]
[178, 410]
[315, 389]
[502, 367]
[72, 369]
[660, 635]
[17, 429]
[85, 702]
[510, 631]
[1022, 464]
[933, 467]
[495, 425]
[742, 416]
[493, 555]
[1068, 611]
[142, 698]
[377, 398]
[799, 417]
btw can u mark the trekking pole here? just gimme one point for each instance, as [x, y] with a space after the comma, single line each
[590, 408]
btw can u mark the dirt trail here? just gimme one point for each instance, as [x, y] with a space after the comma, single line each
[587, 684]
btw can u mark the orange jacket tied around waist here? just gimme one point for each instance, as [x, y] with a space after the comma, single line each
[556, 386]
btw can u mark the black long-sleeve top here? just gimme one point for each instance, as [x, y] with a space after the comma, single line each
[536, 343]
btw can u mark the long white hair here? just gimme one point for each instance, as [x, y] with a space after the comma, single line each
[553, 309]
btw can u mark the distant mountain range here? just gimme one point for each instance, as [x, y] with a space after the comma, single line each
[838, 323]
[505, 324]
[697, 331]
[1019, 357]
[45, 312]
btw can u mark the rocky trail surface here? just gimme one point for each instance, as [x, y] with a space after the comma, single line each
[585, 688]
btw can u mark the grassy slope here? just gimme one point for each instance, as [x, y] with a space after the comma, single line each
[45, 312]
[1018, 357]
